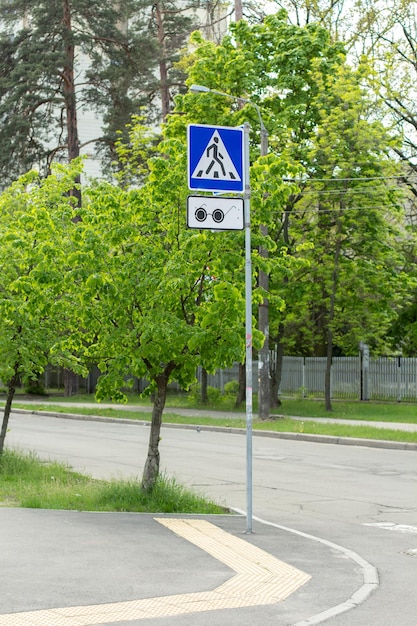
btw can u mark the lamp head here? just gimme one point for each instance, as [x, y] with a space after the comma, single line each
[199, 89]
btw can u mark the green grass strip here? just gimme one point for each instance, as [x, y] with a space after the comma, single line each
[27, 481]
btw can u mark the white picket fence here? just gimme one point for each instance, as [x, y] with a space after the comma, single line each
[389, 378]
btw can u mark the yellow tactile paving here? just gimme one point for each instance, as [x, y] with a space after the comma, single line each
[260, 579]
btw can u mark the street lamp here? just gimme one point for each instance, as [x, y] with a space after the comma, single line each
[248, 289]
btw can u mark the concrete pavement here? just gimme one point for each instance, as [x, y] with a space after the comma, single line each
[66, 568]
[76, 568]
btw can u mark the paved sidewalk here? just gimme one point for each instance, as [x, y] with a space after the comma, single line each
[66, 568]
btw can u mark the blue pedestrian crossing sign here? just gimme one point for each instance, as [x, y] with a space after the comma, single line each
[215, 158]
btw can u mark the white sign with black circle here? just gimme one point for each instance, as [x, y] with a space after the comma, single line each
[215, 213]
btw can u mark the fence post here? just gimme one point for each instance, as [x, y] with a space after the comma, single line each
[303, 376]
[331, 378]
[399, 395]
[364, 355]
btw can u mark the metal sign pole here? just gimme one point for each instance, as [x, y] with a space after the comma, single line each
[248, 332]
[207, 172]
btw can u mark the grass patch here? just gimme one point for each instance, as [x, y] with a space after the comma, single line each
[27, 481]
[81, 410]
[184, 400]
[288, 425]
[353, 410]
[340, 429]
[302, 407]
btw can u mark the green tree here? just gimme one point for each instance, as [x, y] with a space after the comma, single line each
[160, 299]
[142, 78]
[393, 80]
[171, 25]
[272, 65]
[35, 321]
[389, 38]
[318, 117]
[352, 211]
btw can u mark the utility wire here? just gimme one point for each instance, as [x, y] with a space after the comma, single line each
[318, 211]
[353, 190]
[340, 180]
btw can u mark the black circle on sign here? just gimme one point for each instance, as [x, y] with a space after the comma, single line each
[200, 214]
[218, 215]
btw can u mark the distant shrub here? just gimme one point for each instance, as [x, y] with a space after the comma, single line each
[194, 391]
[231, 388]
[213, 394]
[35, 388]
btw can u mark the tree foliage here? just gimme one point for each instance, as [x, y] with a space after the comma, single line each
[35, 307]
[342, 227]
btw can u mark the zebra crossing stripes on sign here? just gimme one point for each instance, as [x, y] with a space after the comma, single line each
[215, 158]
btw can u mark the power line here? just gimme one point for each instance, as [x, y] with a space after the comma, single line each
[354, 190]
[318, 211]
[337, 180]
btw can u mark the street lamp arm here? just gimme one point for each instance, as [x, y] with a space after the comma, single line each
[204, 89]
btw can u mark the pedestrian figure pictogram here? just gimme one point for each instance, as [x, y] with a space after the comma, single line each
[213, 148]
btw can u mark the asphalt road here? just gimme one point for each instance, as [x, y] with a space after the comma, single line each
[364, 499]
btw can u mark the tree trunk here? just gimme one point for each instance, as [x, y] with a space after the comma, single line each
[329, 352]
[264, 366]
[69, 92]
[11, 388]
[238, 10]
[264, 375]
[277, 370]
[163, 67]
[327, 375]
[151, 469]
[241, 394]
[204, 384]
[70, 383]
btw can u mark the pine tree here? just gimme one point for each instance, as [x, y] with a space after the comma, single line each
[60, 58]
